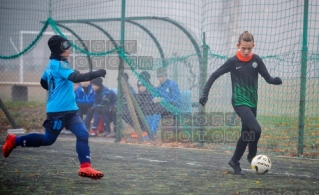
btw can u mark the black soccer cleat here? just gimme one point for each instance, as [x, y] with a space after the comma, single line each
[236, 167]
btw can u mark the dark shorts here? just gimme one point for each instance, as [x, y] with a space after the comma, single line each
[56, 123]
[245, 113]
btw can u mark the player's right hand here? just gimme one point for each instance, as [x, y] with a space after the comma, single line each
[203, 100]
[277, 81]
[101, 73]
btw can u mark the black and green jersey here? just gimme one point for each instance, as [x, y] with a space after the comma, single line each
[244, 76]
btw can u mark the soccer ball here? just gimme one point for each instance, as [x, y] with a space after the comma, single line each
[261, 164]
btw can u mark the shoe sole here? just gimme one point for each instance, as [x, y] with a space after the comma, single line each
[91, 176]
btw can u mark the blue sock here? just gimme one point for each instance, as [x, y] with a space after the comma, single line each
[36, 139]
[82, 142]
[30, 140]
[18, 141]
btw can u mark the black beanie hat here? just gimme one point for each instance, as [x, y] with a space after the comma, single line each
[58, 44]
[139, 83]
[145, 75]
[97, 81]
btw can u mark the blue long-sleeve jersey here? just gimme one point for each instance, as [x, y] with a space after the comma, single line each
[105, 97]
[61, 97]
[83, 98]
[169, 91]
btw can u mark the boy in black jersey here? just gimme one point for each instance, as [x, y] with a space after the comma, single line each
[244, 68]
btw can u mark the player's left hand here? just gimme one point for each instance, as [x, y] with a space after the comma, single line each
[203, 100]
[101, 73]
[277, 81]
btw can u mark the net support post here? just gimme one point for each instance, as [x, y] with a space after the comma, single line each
[119, 77]
[303, 81]
[202, 81]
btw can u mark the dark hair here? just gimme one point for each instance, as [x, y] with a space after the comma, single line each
[125, 76]
[97, 81]
[246, 36]
[161, 72]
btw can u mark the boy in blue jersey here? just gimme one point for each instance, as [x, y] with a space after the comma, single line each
[61, 109]
[105, 106]
[84, 96]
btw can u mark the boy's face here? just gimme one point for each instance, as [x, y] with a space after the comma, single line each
[245, 48]
[161, 79]
[66, 53]
[85, 83]
[95, 87]
[142, 88]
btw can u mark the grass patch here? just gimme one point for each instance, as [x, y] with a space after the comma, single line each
[28, 115]
[280, 134]
[140, 169]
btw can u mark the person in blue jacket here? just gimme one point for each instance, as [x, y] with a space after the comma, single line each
[85, 96]
[105, 106]
[168, 91]
[61, 109]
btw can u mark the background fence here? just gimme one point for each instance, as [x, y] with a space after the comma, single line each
[149, 34]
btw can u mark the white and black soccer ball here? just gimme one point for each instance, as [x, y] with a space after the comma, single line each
[261, 164]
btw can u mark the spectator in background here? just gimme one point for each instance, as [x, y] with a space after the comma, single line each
[105, 106]
[126, 115]
[168, 91]
[144, 99]
[84, 96]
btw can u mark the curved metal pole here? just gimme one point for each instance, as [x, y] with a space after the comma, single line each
[158, 45]
[191, 38]
[104, 32]
[198, 52]
[81, 41]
